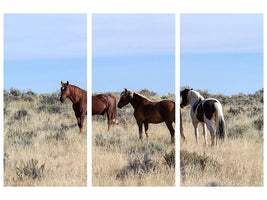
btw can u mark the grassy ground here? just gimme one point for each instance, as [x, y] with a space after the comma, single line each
[238, 161]
[42, 143]
[120, 159]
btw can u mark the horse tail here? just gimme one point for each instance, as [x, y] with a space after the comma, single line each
[114, 115]
[220, 120]
[115, 112]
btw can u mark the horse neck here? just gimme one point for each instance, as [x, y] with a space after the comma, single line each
[73, 96]
[137, 99]
[134, 103]
[195, 98]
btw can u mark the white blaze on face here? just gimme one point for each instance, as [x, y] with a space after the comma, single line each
[122, 94]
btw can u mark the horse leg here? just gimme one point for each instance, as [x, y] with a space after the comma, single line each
[81, 123]
[78, 120]
[209, 126]
[146, 129]
[171, 129]
[196, 130]
[205, 134]
[109, 120]
[181, 127]
[140, 129]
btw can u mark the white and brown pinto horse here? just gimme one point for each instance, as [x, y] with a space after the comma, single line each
[204, 111]
[146, 111]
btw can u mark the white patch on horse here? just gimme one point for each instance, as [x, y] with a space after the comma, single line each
[122, 94]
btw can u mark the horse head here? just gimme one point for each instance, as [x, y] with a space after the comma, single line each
[125, 98]
[65, 91]
[185, 100]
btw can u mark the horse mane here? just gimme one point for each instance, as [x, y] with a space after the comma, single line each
[196, 95]
[140, 97]
[77, 91]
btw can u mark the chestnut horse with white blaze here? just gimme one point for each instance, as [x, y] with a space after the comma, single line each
[105, 104]
[204, 111]
[78, 97]
[146, 111]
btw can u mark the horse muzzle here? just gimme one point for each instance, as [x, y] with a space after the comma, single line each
[62, 100]
[119, 105]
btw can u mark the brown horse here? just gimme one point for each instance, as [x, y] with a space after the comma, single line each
[181, 127]
[105, 104]
[146, 111]
[79, 100]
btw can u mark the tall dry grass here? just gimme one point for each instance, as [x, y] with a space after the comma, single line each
[238, 161]
[119, 158]
[42, 143]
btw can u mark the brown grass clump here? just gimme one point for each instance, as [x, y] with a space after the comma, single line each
[42, 143]
[238, 161]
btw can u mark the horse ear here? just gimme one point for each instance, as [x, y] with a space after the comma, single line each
[61, 84]
[125, 90]
[67, 83]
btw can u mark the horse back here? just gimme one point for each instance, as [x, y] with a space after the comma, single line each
[156, 112]
[99, 104]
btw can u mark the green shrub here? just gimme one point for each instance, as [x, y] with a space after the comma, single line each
[15, 92]
[170, 158]
[139, 165]
[50, 98]
[193, 164]
[258, 124]
[21, 114]
[147, 93]
[30, 170]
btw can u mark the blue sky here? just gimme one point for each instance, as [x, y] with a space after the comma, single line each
[40, 50]
[133, 51]
[222, 53]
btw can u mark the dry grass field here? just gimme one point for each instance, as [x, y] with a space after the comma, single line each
[42, 143]
[119, 158]
[238, 161]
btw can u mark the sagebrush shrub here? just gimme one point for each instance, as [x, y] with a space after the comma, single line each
[170, 158]
[138, 165]
[30, 170]
[21, 114]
